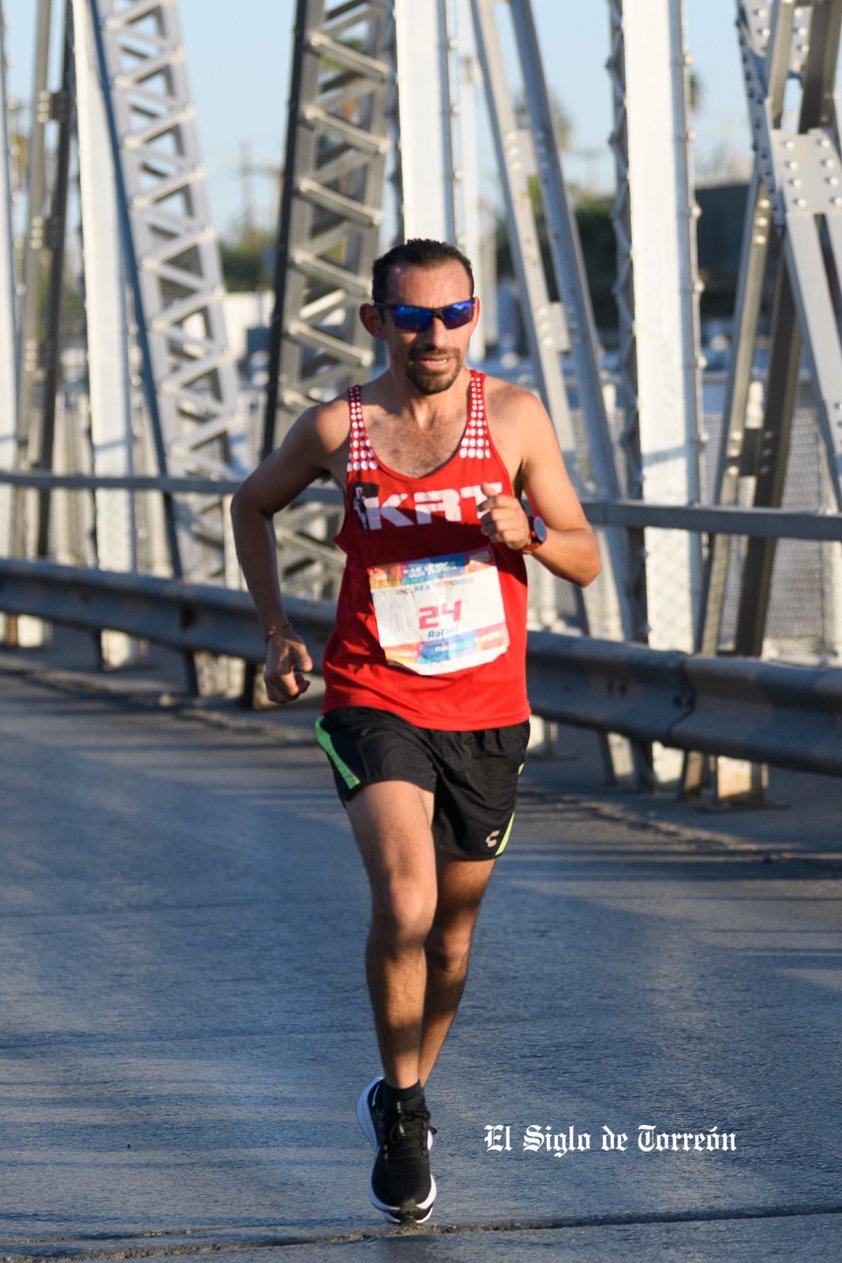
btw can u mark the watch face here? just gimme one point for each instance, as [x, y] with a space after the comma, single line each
[537, 534]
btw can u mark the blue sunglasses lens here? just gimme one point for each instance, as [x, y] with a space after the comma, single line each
[419, 319]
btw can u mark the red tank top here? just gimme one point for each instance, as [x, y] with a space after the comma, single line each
[431, 616]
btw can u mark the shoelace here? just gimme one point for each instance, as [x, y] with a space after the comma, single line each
[409, 1126]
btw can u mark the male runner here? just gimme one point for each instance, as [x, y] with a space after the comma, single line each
[425, 718]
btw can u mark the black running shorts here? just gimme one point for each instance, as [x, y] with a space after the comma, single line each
[472, 775]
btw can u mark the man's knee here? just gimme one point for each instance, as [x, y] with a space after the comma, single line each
[448, 949]
[402, 912]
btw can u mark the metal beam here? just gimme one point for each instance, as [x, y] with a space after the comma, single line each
[331, 205]
[34, 247]
[657, 294]
[801, 174]
[117, 528]
[712, 520]
[8, 306]
[106, 295]
[427, 175]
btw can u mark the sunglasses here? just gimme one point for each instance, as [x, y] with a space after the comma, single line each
[420, 319]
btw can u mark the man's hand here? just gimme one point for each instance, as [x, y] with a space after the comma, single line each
[503, 520]
[286, 661]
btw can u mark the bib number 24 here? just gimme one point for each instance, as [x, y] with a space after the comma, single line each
[432, 616]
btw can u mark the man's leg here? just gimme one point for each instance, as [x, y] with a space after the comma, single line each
[461, 886]
[392, 823]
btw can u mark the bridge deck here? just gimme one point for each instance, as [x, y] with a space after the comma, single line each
[185, 1025]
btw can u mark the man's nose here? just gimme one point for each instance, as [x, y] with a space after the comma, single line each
[438, 329]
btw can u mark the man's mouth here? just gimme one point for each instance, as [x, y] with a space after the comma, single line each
[431, 359]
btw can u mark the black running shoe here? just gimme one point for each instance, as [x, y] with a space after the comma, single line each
[402, 1187]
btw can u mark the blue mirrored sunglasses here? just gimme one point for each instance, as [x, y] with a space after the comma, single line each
[419, 319]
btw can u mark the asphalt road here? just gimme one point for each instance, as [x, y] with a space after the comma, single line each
[184, 1026]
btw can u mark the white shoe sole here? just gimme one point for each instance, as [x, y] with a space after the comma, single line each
[420, 1214]
[364, 1118]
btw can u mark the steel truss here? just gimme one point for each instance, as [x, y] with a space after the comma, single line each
[331, 207]
[328, 236]
[124, 95]
[8, 308]
[792, 248]
[174, 270]
[164, 402]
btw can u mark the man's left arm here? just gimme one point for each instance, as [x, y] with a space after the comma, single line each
[570, 549]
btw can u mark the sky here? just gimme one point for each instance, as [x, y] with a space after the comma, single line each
[239, 66]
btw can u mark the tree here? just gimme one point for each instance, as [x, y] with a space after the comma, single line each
[247, 263]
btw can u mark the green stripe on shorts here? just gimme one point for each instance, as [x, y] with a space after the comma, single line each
[501, 848]
[326, 742]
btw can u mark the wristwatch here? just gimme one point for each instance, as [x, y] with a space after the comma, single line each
[537, 534]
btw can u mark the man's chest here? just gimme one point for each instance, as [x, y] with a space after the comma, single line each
[413, 452]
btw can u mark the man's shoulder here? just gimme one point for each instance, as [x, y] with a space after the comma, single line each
[327, 422]
[507, 401]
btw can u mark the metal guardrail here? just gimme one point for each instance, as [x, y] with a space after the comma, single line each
[706, 519]
[762, 711]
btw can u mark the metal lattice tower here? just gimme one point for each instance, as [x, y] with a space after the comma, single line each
[174, 269]
[331, 208]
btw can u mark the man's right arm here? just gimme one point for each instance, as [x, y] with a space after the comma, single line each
[309, 449]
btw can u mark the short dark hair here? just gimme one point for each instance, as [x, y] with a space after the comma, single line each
[419, 252]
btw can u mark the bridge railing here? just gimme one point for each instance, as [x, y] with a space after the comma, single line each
[765, 712]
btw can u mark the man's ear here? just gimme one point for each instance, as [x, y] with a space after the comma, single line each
[372, 320]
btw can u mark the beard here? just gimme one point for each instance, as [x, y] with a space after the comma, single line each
[433, 383]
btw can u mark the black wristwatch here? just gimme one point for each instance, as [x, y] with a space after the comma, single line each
[537, 534]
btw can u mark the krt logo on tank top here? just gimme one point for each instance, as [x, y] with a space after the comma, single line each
[415, 508]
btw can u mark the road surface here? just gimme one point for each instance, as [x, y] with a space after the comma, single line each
[646, 1063]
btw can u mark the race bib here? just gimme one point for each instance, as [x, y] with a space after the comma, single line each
[440, 614]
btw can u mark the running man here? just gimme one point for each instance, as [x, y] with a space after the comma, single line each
[425, 718]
